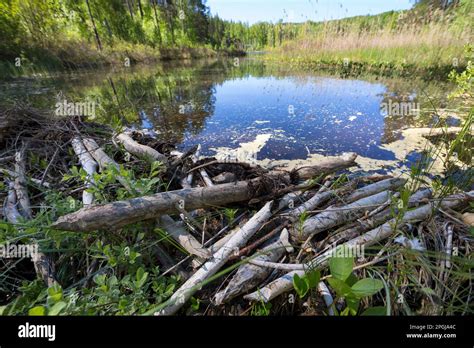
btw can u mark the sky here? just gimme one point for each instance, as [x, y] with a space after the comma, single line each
[253, 11]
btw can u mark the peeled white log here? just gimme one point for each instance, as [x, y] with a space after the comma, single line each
[249, 276]
[220, 258]
[205, 177]
[370, 190]
[43, 266]
[105, 161]
[379, 217]
[90, 167]
[20, 185]
[183, 237]
[221, 242]
[10, 210]
[285, 283]
[340, 215]
[449, 243]
[312, 203]
[141, 151]
[327, 297]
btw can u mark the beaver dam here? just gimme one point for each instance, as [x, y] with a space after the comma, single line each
[126, 224]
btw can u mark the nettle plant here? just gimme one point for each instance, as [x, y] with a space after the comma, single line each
[345, 284]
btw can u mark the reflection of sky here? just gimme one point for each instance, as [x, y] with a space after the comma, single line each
[330, 116]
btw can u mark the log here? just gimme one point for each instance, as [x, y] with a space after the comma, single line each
[378, 218]
[90, 167]
[105, 161]
[10, 210]
[42, 264]
[249, 276]
[331, 218]
[219, 259]
[141, 151]
[326, 167]
[21, 185]
[372, 189]
[183, 237]
[121, 213]
[285, 283]
[327, 297]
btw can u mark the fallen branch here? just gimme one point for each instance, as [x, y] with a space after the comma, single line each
[183, 237]
[141, 151]
[249, 276]
[89, 166]
[105, 161]
[329, 219]
[219, 259]
[118, 214]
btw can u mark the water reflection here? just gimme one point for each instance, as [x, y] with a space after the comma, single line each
[220, 104]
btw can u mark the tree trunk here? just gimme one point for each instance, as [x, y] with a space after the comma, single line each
[97, 37]
[118, 214]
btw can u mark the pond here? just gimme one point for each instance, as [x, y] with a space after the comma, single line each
[246, 109]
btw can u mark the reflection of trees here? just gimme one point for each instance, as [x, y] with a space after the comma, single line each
[428, 96]
[178, 97]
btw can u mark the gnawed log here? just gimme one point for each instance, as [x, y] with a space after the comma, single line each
[105, 161]
[121, 213]
[338, 216]
[89, 166]
[183, 237]
[377, 219]
[327, 297]
[141, 151]
[224, 178]
[44, 268]
[21, 186]
[179, 298]
[249, 276]
[10, 210]
[285, 283]
[326, 166]
[372, 189]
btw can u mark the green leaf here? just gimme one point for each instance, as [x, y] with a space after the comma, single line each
[341, 267]
[2, 309]
[353, 304]
[313, 278]
[37, 311]
[141, 277]
[55, 293]
[300, 285]
[341, 288]
[58, 307]
[367, 287]
[195, 302]
[375, 311]
[351, 280]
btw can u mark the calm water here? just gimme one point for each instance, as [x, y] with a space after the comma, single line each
[218, 104]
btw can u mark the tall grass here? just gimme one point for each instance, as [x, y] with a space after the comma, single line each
[424, 42]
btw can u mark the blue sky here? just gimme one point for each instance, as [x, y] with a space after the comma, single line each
[252, 11]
